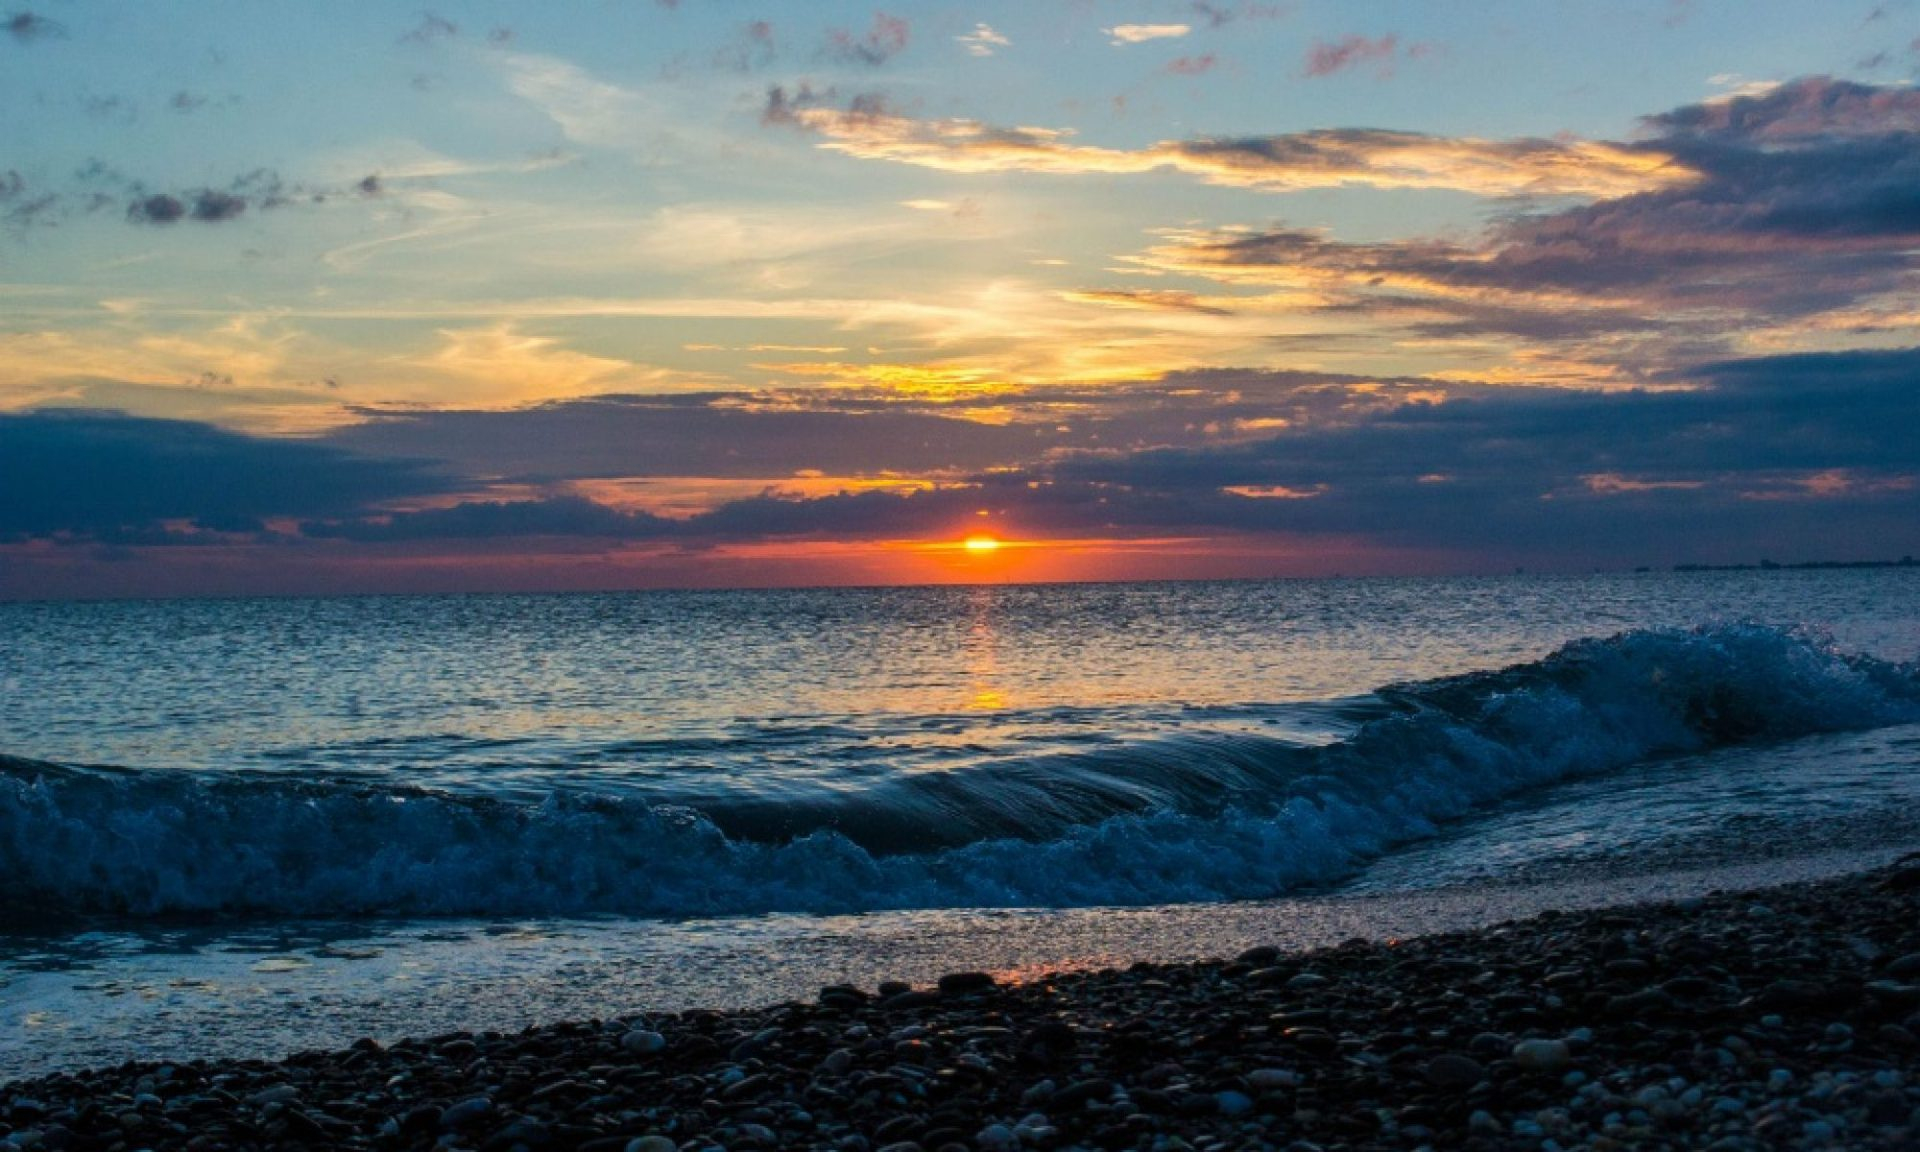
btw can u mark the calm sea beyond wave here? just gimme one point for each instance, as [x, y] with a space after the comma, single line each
[317, 817]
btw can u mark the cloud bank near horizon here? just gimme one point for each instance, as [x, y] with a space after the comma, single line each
[1762, 453]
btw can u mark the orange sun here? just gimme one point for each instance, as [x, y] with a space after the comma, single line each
[981, 544]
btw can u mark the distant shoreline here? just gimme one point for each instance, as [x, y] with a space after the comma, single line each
[1796, 566]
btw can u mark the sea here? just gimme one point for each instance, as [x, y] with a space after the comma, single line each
[249, 827]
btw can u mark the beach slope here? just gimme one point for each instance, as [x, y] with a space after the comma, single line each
[1780, 1018]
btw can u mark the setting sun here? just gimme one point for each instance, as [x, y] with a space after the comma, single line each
[981, 544]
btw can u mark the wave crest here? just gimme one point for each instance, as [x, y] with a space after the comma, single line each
[1178, 819]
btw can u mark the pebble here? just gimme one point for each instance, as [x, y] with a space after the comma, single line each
[467, 1112]
[1542, 1055]
[1452, 1070]
[641, 1042]
[960, 983]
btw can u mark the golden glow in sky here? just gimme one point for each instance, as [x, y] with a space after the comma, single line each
[980, 545]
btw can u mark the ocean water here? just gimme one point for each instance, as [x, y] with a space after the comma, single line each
[249, 826]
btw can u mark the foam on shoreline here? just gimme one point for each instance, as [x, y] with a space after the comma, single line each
[181, 992]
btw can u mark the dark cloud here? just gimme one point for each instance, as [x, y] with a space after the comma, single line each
[115, 108]
[884, 39]
[27, 27]
[1791, 450]
[490, 519]
[156, 209]
[431, 28]
[20, 208]
[1812, 109]
[98, 185]
[206, 205]
[89, 474]
[213, 206]
[185, 101]
[786, 109]
[729, 435]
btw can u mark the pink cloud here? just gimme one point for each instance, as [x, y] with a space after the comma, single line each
[1326, 58]
[1193, 65]
[885, 39]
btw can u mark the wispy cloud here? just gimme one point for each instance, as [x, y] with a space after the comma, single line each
[983, 40]
[884, 39]
[1153, 300]
[1123, 34]
[431, 28]
[1328, 57]
[1218, 14]
[28, 27]
[868, 128]
[753, 47]
[1193, 65]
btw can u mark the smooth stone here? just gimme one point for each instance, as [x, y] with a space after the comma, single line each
[997, 1138]
[652, 1144]
[1233, 1103]
[469, 1111]
[1081, 1092]
[1272, 1079]
[1542, 1055]
[960, 983]
[641, 1042]
[754, 1044]
[1452, 1070]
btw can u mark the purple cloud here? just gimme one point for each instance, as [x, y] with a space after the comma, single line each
[886, 38]
[1326, 58]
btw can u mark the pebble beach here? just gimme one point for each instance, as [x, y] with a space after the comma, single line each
[1781, 1018]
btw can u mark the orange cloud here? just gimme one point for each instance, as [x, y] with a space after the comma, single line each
[1327, 158]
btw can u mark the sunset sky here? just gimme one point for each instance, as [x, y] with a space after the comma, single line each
[629, 293]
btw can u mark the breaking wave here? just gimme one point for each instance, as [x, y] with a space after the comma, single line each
[1184, 817]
